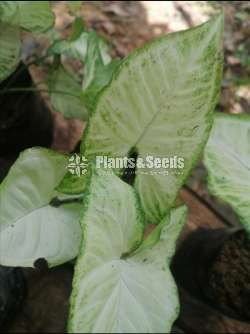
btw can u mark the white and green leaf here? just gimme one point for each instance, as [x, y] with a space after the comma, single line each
[227, 159]
[112, 228]
[163, 239]
[97, 55]
[160, 102]
[113, 290]
[31, 228]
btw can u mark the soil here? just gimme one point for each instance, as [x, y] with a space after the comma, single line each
[229, 277]
[45, 308]
[214, 266]
[12, 292]
[25, 120]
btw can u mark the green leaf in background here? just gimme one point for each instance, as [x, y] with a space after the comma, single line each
[65, 94]
[74, 6]
[78, 27]
[160, 103]
[30, 228]
[103, 75]
[9, 12]
[97, 55]
[98, 69]
[10, 49]
[114, 292]
[85, 46]
[93, 52]
[227, 159]
[34, 16]
[75, 46]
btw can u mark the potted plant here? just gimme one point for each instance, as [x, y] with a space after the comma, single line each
[158, 106]
[221, 258]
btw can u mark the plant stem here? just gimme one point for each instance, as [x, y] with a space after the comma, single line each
[37, 59]
[56, 202]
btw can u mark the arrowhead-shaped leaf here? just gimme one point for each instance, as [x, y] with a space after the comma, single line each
[227, 159]
[160, 103]
[115, 291]
[30, 228]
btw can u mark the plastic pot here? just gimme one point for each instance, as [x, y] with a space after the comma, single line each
[214, 266]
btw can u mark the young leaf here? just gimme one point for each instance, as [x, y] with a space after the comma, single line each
[34, 16]
[65, 93]
[93, 51]
[112, 291]
[76, 48]
[30, 228]
[97, 55]
[10, 49]
[85, 46]
[227, 159]
[161, 103]
[103, 75]
[163, 239]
